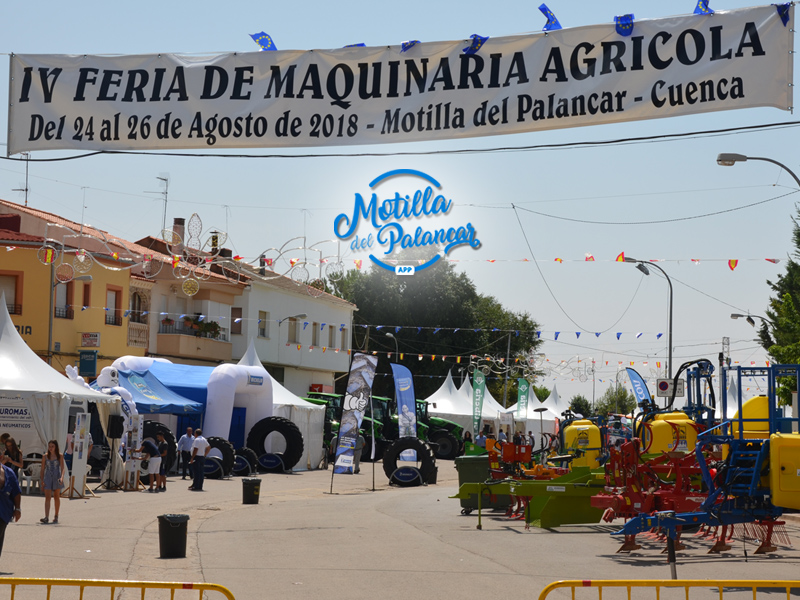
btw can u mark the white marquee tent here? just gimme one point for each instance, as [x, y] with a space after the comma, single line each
[456, 405]
[35, 398]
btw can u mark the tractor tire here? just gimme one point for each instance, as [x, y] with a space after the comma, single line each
[447, 445]
[252, 460]
[241, 468]
[226, 449]
[425, 457]
[150, 430]
[290, 432]
[213, 468]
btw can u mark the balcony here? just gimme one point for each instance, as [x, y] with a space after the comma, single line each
[138, 335]
[175, 339]
[14, 309]
[112, 319]
[63, 312]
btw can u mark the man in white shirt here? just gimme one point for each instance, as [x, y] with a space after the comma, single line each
[200, 449]
[185, 450]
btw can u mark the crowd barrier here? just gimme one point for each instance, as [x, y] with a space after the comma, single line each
[791, 587]
[30, 584]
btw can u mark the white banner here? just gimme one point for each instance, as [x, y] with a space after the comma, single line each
[567, 78]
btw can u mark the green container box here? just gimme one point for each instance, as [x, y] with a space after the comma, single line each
[475, 469]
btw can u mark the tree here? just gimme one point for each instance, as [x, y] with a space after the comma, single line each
[436, 312]
[579, 404]
[542, 393]
[616, 399]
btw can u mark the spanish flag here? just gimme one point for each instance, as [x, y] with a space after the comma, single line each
[732, 264]
[358, 262]
[175, 260]
[621, 257]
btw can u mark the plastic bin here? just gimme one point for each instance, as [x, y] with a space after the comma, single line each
[475, 469]
[251, 487]
[172, 535]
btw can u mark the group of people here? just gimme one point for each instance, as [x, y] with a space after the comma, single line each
[518, 438]
[193, 449]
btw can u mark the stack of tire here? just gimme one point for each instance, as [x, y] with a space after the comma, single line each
[220, 459]
[256, 441]
[425, 459]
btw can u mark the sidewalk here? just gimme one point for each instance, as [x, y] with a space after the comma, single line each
[301, 542]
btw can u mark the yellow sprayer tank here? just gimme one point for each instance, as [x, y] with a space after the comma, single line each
[784, 469]
[582, 440]
[756, 407]
[670, 432]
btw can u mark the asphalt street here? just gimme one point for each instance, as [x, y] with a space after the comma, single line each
[300, 541]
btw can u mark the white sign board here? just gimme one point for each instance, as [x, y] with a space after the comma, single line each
[664, 388]
[375, 95]
[90, 340]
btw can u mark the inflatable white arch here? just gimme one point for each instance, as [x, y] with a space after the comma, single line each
[243, 385]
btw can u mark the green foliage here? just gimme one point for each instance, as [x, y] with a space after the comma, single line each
[437, 297]
[616, 399]
[579, 404]
[541, 392]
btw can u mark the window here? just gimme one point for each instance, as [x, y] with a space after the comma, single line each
[139, 305]
[315, 335]
[63, 301]
[263, 324]
[10, 285]
[331, 336]
[236, 326]
[113, 305]
[294, 331]
[87, 294]
[344, 345]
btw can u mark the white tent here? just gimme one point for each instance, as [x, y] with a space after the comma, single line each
[489, 414]
[308, 417]
[35, 398]
[448, 403]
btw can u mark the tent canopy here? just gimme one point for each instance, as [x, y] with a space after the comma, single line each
[151, 396]
[190, 381]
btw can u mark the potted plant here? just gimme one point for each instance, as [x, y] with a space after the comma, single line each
[167, 321]
[211, 329]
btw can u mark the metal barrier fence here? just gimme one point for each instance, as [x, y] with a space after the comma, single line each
[685, 584]
[113, 586]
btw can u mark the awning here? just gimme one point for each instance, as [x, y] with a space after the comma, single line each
[151, 396]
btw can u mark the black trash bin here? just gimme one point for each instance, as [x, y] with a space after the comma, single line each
[172, 535]
[250, 490]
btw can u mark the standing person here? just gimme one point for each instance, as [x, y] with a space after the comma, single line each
[13, 456]
[52, 479]
[200, 449]
[153, 462]
[501, 437]
[163, 449]
[10, 499]
[185, 450]
[481, 439]
[467, 440]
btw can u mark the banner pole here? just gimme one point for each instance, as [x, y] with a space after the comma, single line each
[339, 431]
[372, 435]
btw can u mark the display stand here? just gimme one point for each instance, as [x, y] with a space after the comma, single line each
[109, 483]
[77, 487]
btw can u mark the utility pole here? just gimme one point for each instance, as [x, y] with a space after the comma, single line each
[508, 367]
[164, 179]
[27, 156]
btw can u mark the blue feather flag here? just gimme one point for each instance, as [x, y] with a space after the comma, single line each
[783, 12]
[552, 23]
[263, 40]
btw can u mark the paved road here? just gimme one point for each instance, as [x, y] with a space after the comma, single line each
[302, 542]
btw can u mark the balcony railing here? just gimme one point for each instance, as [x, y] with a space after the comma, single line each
[180, 329]
[138, 334]
[63, 312]
[14, 309]
[113, 320]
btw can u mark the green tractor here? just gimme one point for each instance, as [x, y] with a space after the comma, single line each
[445, 434]
[333, 414]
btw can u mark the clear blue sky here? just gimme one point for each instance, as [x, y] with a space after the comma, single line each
[272, 200]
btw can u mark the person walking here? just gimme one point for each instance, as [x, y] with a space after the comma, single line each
[200, 449]
[52, 479]
[10, 501]
[163, 450]
[185, 452]
[13, 456]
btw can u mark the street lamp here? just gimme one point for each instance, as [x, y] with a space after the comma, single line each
[729, 159]
[53, 284]
[644, 269]
[396, 347]
[749, 318]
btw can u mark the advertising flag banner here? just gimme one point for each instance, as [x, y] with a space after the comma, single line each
[561, 78]
[639, 386]
[406, 407]
[523, 389]
[356, 399]
[478, 391]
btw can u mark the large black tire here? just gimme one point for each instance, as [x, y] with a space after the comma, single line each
[151, 429]
[446, 447]
[213, 468]
[425, 457]
[290, 432]
[226, 449]
[250, 457]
